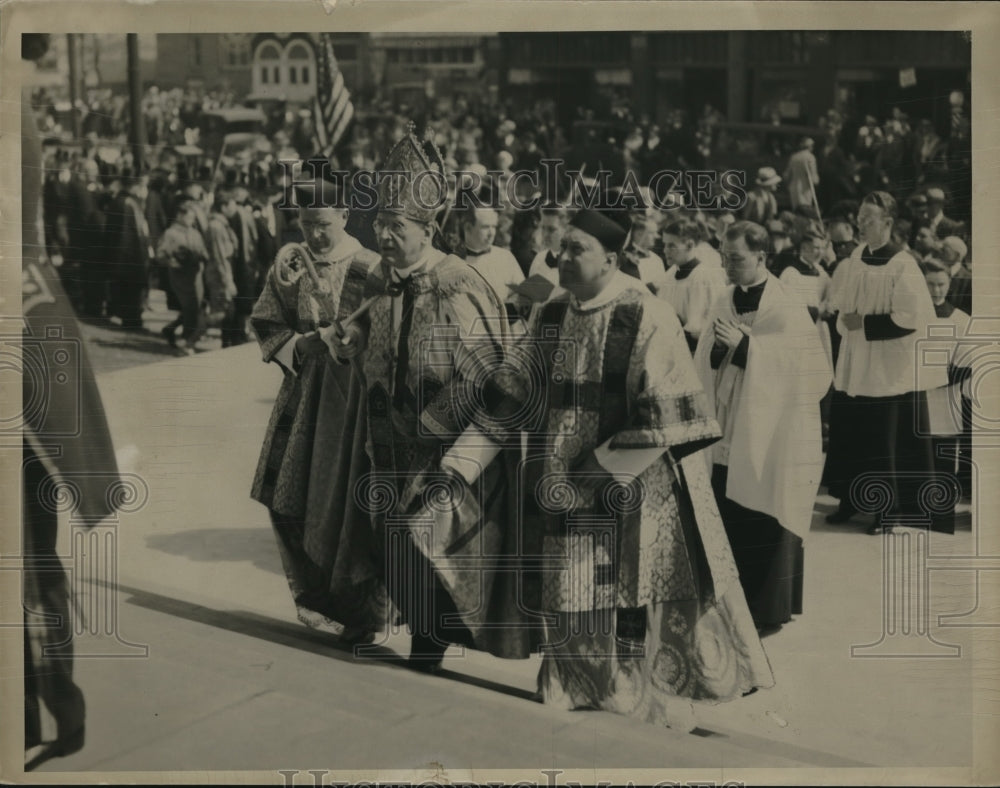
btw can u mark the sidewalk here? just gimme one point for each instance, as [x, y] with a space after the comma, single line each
[233, 682]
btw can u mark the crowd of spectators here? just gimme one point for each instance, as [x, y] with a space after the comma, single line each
[802, 186]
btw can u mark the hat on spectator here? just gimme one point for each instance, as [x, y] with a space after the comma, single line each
[768, 176]
[957, 245]
[935, 194]
[917, 199]
[776, 227]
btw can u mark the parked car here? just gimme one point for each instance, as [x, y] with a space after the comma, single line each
[225, 133]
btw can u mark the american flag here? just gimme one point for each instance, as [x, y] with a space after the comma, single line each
[333, 106]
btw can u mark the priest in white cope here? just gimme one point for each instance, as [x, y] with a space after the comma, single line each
[765, 372]
[880, 383]
[642, 607]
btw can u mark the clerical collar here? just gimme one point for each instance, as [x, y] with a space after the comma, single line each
[747, 299]
[399, 274]
[879, 256]
[944, 309]
[758, 285]
[684, 269]
[483, 253]
[806, 268]
[617, 284]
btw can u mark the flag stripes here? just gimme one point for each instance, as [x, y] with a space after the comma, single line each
[333, 107]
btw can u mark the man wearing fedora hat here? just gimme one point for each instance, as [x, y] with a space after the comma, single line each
[762, 205]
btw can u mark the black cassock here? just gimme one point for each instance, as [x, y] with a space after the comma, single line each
[887, 437]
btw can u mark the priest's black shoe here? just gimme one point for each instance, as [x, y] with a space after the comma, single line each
[422, 664]
[426, 654]
[357, 636]
[881, 526]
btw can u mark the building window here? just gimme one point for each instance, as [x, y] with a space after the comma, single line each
[468, 54]
[269, 55]
[197, 50]
[299, 62]
[298, 52]
[234, 49]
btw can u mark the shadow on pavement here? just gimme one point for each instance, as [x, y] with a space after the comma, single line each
[295, 636]
[255, 545]
[137, 341]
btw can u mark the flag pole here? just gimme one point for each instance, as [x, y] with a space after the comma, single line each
[812, 191]
[218, 163]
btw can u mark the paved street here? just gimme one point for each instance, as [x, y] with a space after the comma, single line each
[112, 348]
[231, 681]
